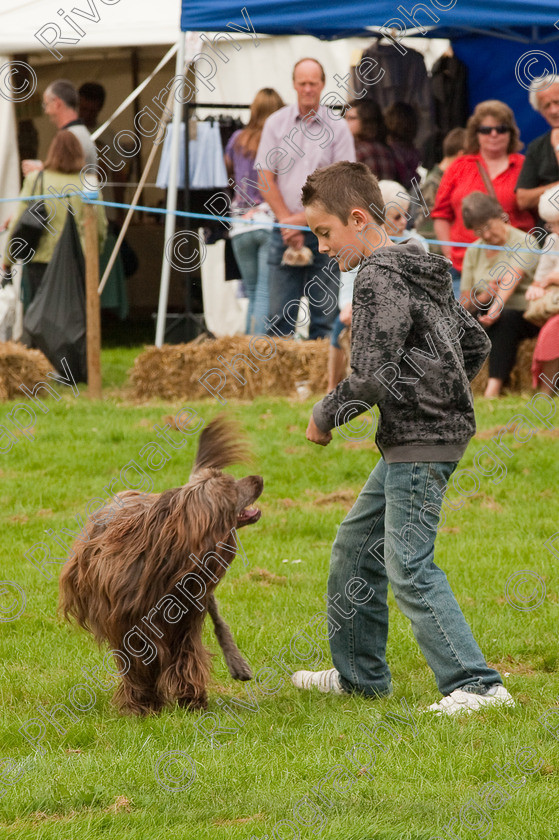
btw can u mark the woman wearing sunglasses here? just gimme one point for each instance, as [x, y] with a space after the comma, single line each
[491, 164]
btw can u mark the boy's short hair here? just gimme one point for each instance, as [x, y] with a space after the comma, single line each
[454, 142]
[342, 186]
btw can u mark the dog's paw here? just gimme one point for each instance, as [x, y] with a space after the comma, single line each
[240, 670]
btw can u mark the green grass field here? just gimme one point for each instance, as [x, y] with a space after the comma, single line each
[284, 764]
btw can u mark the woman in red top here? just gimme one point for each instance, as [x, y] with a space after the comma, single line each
[491, 164]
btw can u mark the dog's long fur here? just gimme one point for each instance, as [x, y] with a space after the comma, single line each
[138, 549]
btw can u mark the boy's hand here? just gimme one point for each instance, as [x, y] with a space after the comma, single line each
[316, 436]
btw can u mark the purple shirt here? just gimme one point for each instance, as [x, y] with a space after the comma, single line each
[293, 148]
[243, 167]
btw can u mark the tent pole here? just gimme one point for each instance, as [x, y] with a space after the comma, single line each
[93, 303]
[172, 186]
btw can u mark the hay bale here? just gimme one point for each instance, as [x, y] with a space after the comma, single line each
[521, 374]
[174, 371]
[20, 366]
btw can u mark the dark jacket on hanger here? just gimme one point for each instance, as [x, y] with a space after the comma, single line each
[405, 79]
[449, 78]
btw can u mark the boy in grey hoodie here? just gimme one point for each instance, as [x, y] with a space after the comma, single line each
[414, 352]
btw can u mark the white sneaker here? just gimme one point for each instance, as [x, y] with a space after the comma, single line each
[325, 681]
[466, 701]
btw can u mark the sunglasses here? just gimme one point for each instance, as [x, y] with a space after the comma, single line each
[487, 129]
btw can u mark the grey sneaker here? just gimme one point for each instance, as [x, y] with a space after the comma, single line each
[466, 701]
[325, 681]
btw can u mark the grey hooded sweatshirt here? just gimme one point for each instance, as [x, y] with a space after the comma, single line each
[414, 351]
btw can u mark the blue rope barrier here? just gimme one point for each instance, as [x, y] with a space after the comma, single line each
[87, 199]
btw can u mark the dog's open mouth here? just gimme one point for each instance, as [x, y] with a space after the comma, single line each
[248, 516]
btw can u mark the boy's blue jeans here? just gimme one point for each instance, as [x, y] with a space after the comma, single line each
[389, 536]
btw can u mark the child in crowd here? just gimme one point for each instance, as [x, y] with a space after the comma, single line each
[414, 351]
[453, 147]
[546, 353]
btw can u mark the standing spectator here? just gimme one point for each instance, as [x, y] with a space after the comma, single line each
[61, 169]
[91, 101]
[498, 301]
[295, 141]
[401, 124]
[541, 166]
[251, 243]
[491, 164]
[453, 147]
[366, 123]
[546, 353]
[60, 104]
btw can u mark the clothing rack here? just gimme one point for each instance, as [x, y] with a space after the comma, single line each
[194, 324]
[187, 113]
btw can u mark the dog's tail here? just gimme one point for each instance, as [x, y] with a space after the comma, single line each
[221, 444]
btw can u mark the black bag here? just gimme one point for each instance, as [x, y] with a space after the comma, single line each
[31, 226]
[55, 319]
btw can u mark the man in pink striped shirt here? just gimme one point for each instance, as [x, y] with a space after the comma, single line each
[295, 141]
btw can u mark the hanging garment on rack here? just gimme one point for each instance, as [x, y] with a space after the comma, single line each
[404, 79]
[206, 164]
[228, 125]
[449, 77]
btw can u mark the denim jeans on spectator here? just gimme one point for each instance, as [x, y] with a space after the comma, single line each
[288, 283]
[382, 540]
[251, 251]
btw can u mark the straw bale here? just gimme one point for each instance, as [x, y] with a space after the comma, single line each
[20, 366]
[521, 374]
[174, 371]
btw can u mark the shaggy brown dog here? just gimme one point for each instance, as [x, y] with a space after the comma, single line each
[143, 580]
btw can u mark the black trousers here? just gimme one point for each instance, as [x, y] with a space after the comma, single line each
[505, 335]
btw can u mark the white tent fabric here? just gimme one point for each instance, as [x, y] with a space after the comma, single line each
[120, 23]
[9, 180]
[9, 170]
